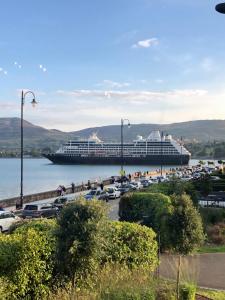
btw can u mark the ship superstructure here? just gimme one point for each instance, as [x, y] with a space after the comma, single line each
[156, 149]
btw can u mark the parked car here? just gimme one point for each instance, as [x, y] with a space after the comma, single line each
[6, 220]
[137, 184]
[40, 210]
[62, 200]
[103, 196]
[97, 194]
[145, 183]
[124, 189]
[113, 192]
[94, 193]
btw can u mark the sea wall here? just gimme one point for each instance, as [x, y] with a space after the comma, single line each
[45, 195]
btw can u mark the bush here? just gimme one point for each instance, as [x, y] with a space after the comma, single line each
[187, 292]
[131, 245]
[150, 209]
[212, 215]
[185, 225]
[177, 187]
[80, 239]
[216, 234]
[26, 264]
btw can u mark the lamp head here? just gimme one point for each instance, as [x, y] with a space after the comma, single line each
[33, 102]
[220, 8]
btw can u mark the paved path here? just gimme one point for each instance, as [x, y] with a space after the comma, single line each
[208, 270]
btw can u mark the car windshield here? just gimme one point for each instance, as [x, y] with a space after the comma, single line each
[31, 207]
[110, 191]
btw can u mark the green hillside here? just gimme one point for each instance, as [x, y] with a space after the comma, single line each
[36, 137]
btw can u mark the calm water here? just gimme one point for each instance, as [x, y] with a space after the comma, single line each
[41, 175]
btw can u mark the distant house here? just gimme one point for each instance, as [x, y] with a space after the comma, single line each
[214, 199]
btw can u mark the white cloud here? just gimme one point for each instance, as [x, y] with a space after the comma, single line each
[146, 43]
[77, 109]
[113, 84]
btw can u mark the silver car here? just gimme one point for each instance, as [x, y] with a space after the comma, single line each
[6, 220]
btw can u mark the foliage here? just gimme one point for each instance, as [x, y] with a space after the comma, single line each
[215, 295]
[131, 245]
[187, 292]
[212, 249]
[114, 282]
[80, 239]
[150, 209]
[216, 234]
[185, 225]
[26, 264]
[212, 215]
[44, 226]
[177, 187]
[204, 185]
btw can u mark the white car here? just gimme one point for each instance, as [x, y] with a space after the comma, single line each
[113, 193]
[137, 184]
[6, 220]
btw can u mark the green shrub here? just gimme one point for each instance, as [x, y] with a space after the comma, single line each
[80, 239]
[150, 209]
[187, 292]
[26, 263]
[131, 245]
[212, 215]
[185, 225]
[177, 187]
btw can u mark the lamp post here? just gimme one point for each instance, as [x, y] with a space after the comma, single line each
[33, 102]
[220, 8]
[121, 131]
[161, 144]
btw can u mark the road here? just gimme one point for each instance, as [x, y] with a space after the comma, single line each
[207, 270]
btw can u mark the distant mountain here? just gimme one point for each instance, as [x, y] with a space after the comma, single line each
[39, 137]
[34, 136]
[205, 130]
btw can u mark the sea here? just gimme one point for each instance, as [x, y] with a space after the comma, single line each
[41, 175]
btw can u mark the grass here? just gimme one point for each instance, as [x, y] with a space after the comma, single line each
[212, 249]
[215, 295]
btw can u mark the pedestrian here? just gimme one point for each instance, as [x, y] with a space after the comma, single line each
[129, 176]
[73, 187]
[102, 186]
[89, 185]
[63, 191]
[1, 208]
[59, 190]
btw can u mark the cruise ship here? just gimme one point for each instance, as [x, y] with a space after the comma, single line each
[156, 149]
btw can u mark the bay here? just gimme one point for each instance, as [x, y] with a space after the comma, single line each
[41, 175]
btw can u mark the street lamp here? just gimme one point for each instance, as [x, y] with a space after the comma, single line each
[122, 159]
[161, 144]
[33, 102]
[220, 8]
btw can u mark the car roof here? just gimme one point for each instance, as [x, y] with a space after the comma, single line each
[5, 212]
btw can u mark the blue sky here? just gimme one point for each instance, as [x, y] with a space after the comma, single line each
[91, 62]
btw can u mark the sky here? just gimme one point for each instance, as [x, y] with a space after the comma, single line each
[92, 62]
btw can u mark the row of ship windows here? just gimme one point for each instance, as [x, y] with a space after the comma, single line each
[118, 148]
[124, 153]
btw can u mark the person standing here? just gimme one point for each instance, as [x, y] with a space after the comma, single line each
[73, 187]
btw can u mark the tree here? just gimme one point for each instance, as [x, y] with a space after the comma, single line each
[177, 187]
[185, 225]
[150, 209]
[80, 238]
[131, 245]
